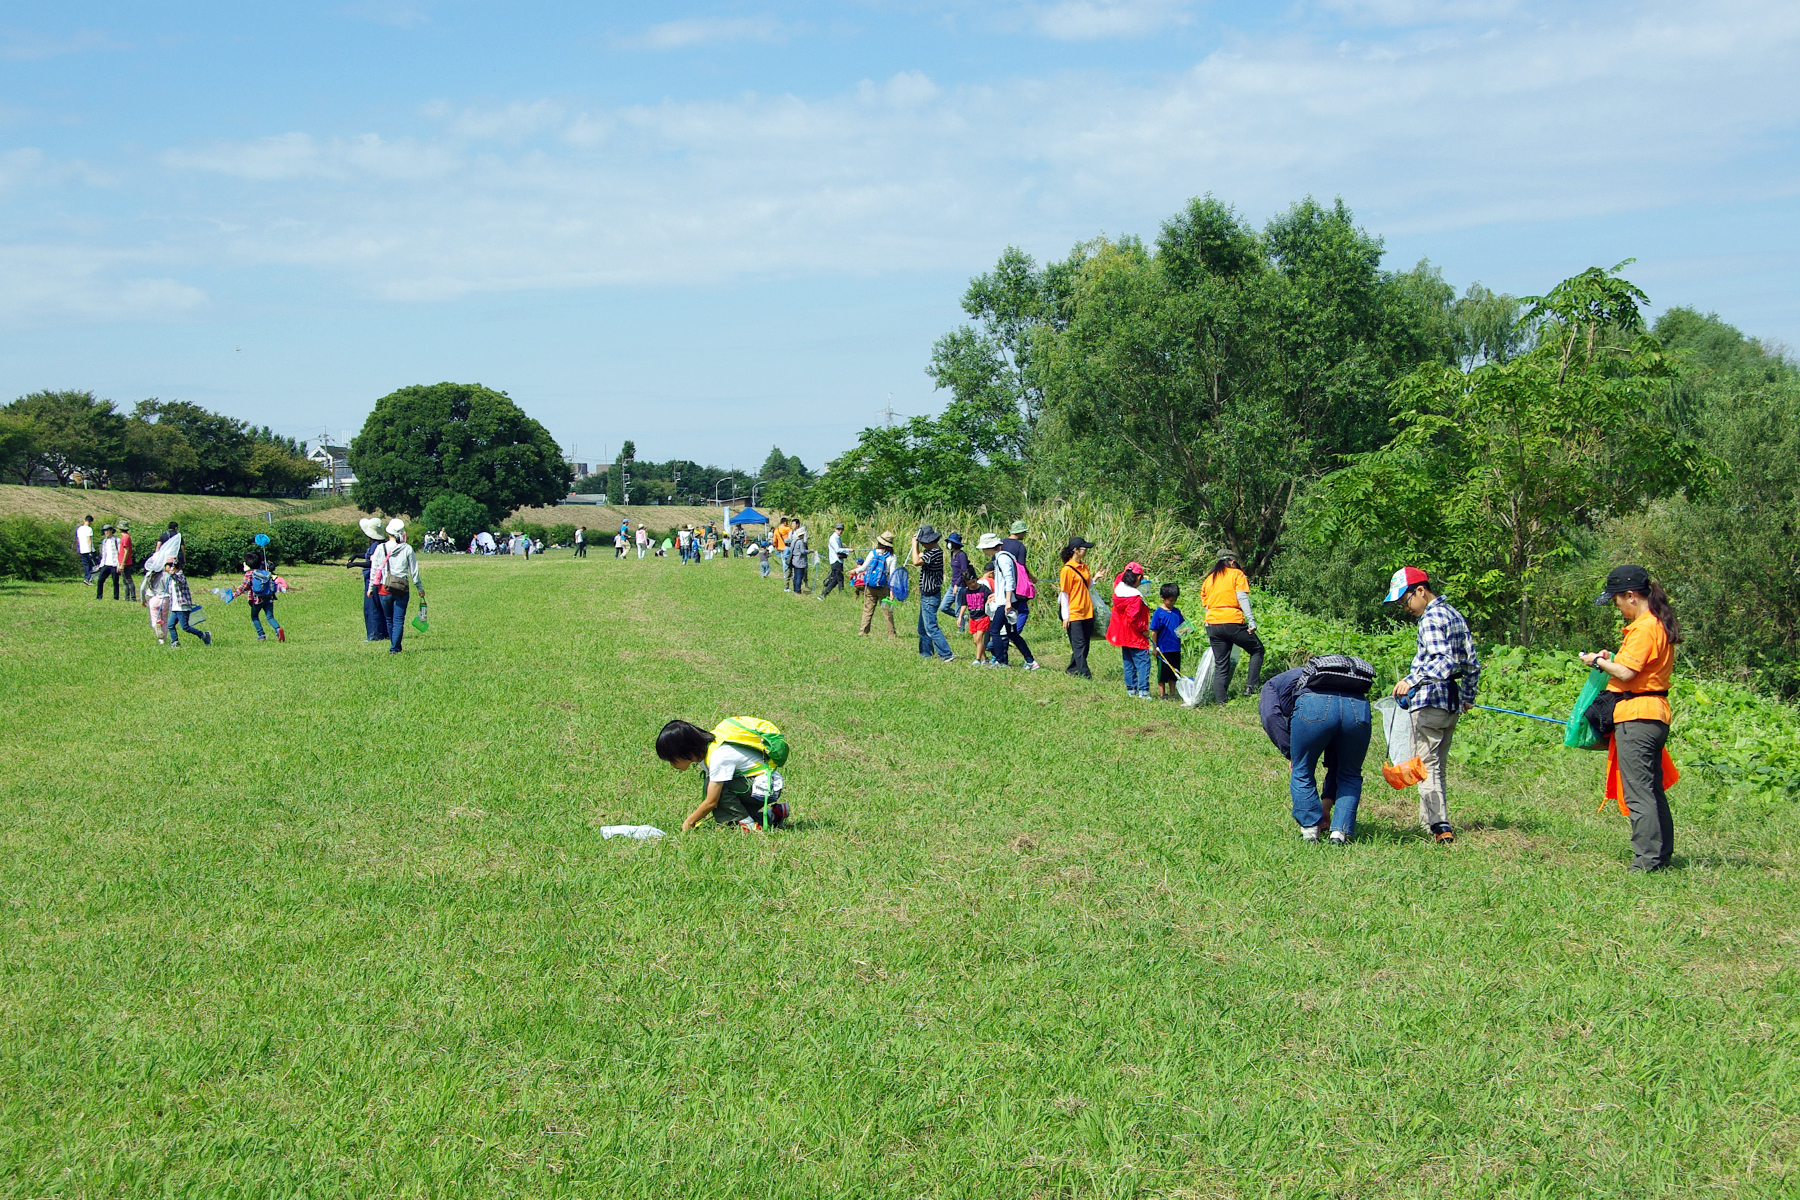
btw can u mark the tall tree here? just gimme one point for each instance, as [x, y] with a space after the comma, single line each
[455, 437]
[74, 432]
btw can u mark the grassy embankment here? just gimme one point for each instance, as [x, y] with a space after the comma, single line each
[69, 505]
[312, 919]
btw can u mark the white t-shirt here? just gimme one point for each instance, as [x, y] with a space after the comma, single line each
[724, 760]
[84, 539]
[580, 537]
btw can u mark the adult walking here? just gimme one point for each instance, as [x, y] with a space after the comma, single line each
[1007, 609]
[799, 559]
[927, 557]
[374, 622]
[1438, 689]
[643, 540]
[1639, 691]
[580, 542]
[962, 574]
[394, 576]
[1075, 597]
[876, 573]
[84, 547]
[109, 563]
[1225, 594]
[835, 552]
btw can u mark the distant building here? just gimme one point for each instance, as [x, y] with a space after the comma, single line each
[336, 463]
[580, 468]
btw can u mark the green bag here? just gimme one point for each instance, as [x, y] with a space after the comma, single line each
[1580, 735]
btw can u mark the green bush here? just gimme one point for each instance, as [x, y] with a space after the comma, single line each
[214, 545]
[462, 517]
[34, 549]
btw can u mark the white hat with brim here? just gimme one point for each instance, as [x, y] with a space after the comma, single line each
[396, 527]
[371, 527]
[989, 541]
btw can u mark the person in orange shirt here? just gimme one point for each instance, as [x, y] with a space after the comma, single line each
[780, 536]
[1225, 594]
[1075, 593]
[1640, 671]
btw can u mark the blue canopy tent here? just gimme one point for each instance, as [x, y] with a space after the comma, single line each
[748, 517]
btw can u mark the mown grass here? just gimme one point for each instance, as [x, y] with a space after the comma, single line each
[69, 505]
[309, 919]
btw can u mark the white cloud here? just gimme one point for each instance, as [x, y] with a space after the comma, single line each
[1084, 20]
[27, 166]
[696, 31]
[1439, 130]
[44, 283]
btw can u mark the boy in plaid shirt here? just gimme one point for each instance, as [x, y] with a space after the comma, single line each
[1438, 689]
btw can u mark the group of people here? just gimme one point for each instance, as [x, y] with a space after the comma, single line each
[390, 574]
[1314, 714]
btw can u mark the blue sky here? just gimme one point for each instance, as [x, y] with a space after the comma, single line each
[713, 227]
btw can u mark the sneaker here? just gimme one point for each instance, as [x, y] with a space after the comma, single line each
[1443, 834]
[1309, 833]
[1339, 838]
[206, 639]
[262, 637]
[281, 635]
[947, 658]
[1032, 665]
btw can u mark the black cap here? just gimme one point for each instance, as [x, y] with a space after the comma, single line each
[1078, 543]
[1628, 578]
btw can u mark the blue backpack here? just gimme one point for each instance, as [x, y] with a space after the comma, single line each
[262, 584]
[876, 571]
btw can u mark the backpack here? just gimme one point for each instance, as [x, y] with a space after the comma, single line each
[1026, 589]
[875, 572]
[754, 733]
[1338, 674]
[900, 584]
[262, 584]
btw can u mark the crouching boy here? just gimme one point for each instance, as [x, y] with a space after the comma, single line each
[743, 757]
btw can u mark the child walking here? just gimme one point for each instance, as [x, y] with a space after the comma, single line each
[259, 584]
[1165, 627]
[181, 603]
[743, 781]
[975, 604]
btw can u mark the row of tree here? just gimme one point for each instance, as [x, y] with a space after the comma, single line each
[167, 445]
[1329, 420]
[683, 481]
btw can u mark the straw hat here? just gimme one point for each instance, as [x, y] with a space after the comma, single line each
[886, 540]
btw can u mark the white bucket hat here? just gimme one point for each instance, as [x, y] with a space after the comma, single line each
[989, 541]
[371, 527]
[396, 527]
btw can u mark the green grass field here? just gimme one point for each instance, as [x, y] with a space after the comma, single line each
[313, 920]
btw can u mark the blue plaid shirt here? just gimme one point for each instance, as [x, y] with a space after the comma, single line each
[1446, 652]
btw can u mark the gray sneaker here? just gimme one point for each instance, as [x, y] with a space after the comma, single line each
[1032, 665]
[1309, 833]
[1339, 838]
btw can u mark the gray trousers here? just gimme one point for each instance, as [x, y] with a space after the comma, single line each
[1640, 749]
[1432, 730]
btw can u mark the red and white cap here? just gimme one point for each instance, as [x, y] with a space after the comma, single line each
[1404, 579]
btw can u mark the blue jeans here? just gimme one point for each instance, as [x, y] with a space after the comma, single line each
[393, 611]
[1137, 670]
[931, 638]
[180, 619]
[1325, 722]
[765, 568]
[267, 609]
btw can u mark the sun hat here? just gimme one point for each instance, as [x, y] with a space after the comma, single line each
[396, 527]
[1404, 580]
[104, 528]
[1019, 527]
[1225, 552]
[839, 525]
[886, 539]
[955, 539]
[1629, 578]
[371, 527]
[927, 534]
[1078, 542]
[989, 541]
[125, 526]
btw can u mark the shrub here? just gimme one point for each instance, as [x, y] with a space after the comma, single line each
[34, 549]
[457, 513]
[212, 545]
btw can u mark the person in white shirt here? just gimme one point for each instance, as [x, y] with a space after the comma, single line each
[580, 542]
[109, 563]
[84, 546]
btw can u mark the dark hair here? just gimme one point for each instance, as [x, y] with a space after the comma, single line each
[1130, 578]
[1220, 565]
[1067, 553]
[1659, 608]
[679, 739]
[1171, 591]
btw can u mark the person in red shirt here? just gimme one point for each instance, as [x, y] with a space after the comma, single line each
[125, 563]
[1129, 630]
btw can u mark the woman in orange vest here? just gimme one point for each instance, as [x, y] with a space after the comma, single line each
[1225, 594]
[1640, 671]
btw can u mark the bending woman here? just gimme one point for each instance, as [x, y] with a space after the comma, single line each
[1640, 673]
[1229, 622]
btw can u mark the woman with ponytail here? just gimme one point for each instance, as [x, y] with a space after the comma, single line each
[1640, 673]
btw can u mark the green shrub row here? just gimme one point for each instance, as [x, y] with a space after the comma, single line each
[32, 548]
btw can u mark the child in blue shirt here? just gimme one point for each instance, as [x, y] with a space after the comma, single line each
[1165, 624]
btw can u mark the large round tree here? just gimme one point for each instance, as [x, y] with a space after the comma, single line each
[455, 437]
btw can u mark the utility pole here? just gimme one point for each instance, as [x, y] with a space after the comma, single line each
[888, 412]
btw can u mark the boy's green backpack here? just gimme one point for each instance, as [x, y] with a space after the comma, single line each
[754, 733]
